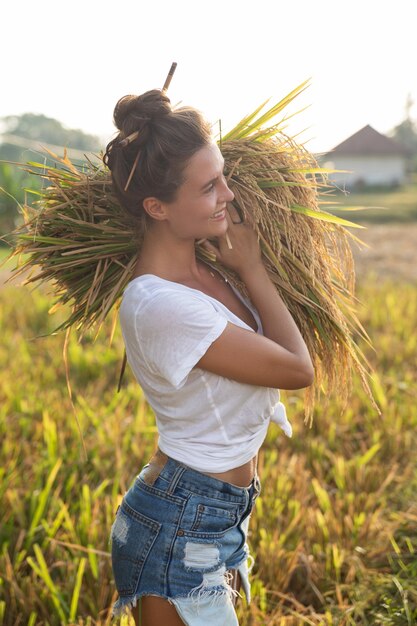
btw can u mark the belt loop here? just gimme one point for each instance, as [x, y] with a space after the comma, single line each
[257, 485]
[175, 479]
[255, 488]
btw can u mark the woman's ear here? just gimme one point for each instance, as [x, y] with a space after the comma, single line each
[154, 208]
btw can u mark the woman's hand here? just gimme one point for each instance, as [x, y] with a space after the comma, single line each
[245, 252]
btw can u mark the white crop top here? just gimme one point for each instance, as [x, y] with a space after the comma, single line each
[206, 421]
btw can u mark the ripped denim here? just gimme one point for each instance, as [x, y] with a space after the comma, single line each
[177, 534]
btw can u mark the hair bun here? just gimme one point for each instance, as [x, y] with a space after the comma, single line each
[132, 112]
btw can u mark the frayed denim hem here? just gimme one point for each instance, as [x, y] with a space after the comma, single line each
[219, 612]
[214, 591]
[127, 603]
[210, 610]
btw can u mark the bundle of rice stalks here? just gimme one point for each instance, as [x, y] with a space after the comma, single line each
[85, 244]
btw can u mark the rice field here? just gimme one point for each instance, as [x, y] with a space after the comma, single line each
[398, 205]
[335, 528]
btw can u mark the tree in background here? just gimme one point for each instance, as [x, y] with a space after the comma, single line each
[406, 134]
[12, 193]
[37, 127]
[31, 127]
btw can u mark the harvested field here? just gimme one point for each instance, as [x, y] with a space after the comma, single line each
[392, 252]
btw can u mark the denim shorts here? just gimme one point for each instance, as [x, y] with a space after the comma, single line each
[177, 534]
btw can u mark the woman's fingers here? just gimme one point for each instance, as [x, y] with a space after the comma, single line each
[233, 214]
[240, 236]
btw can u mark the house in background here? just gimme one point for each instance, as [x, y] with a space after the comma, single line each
[372, 158]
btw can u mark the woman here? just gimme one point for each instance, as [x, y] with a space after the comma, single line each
[210, 363]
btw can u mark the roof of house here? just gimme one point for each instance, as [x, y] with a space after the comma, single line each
[368, 141]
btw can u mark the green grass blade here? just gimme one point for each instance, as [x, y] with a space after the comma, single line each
[267, 116]
[32, 619]
[243, 123]
[264, 134]
[51, 240]
[41, 569]
[42, 500]
[77, 588]
[369, 454]
[269, 184]
[322, 215]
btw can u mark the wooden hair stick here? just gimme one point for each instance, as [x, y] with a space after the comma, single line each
[127, 140]
[169, 77]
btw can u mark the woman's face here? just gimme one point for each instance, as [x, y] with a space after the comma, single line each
[203, 193]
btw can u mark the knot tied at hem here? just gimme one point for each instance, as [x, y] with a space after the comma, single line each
[279, 416]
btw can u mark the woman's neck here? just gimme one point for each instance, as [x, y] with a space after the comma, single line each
[168, 258]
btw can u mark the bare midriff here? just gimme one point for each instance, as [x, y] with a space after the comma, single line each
[241, 476]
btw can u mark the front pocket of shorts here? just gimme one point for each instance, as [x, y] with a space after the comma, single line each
[132, 537]
[213, 519]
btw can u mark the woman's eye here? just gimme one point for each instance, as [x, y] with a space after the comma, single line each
[209, 189]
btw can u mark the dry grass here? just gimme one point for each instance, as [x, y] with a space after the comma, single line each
[334, 530]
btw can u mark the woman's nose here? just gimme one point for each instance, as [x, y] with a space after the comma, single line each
[228, 193]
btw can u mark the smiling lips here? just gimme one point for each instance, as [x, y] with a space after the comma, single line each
[219, 215]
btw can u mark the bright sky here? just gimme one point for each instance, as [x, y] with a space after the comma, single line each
[73, 61]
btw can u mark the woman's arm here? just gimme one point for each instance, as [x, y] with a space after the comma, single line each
[277, 321]
[278, 359]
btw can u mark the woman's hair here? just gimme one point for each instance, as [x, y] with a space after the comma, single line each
[167, 138]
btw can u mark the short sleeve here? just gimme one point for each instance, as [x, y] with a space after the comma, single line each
[174, 332]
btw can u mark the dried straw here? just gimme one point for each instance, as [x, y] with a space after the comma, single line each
[86, 246]
[308, 257]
